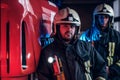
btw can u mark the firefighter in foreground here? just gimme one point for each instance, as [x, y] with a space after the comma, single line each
[68, 58]
[105, 39]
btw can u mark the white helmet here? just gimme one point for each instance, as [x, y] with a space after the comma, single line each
[104, 9]
[66, 15]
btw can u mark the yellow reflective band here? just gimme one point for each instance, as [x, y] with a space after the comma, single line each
[87, 63]
[111, 48]
[87, 66]
[100, 78]
[88, 77]
[118, 63]
[110, 60]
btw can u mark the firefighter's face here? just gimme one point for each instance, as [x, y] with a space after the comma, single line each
[103, 20]
[67, 31]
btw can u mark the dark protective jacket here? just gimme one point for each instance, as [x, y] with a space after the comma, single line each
[75, 59]
[108, 45]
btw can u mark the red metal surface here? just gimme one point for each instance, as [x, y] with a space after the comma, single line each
[48, 12]
[19, 37]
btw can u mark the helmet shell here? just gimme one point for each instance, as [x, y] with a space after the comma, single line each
[104, 9]
[66, 16]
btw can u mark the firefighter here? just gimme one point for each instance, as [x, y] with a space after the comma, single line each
[105, 39]
[67, 57]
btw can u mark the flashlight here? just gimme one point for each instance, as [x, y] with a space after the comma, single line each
[54, 61]
[57, 66]
[50, 60]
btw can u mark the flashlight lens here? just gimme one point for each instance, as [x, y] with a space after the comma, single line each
[50, 59]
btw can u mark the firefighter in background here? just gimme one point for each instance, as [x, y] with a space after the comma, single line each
[105, 39]
[68, 58]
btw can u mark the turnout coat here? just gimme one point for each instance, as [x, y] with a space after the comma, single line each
[79, 60]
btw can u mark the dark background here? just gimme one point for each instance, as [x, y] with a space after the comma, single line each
[84, 8]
